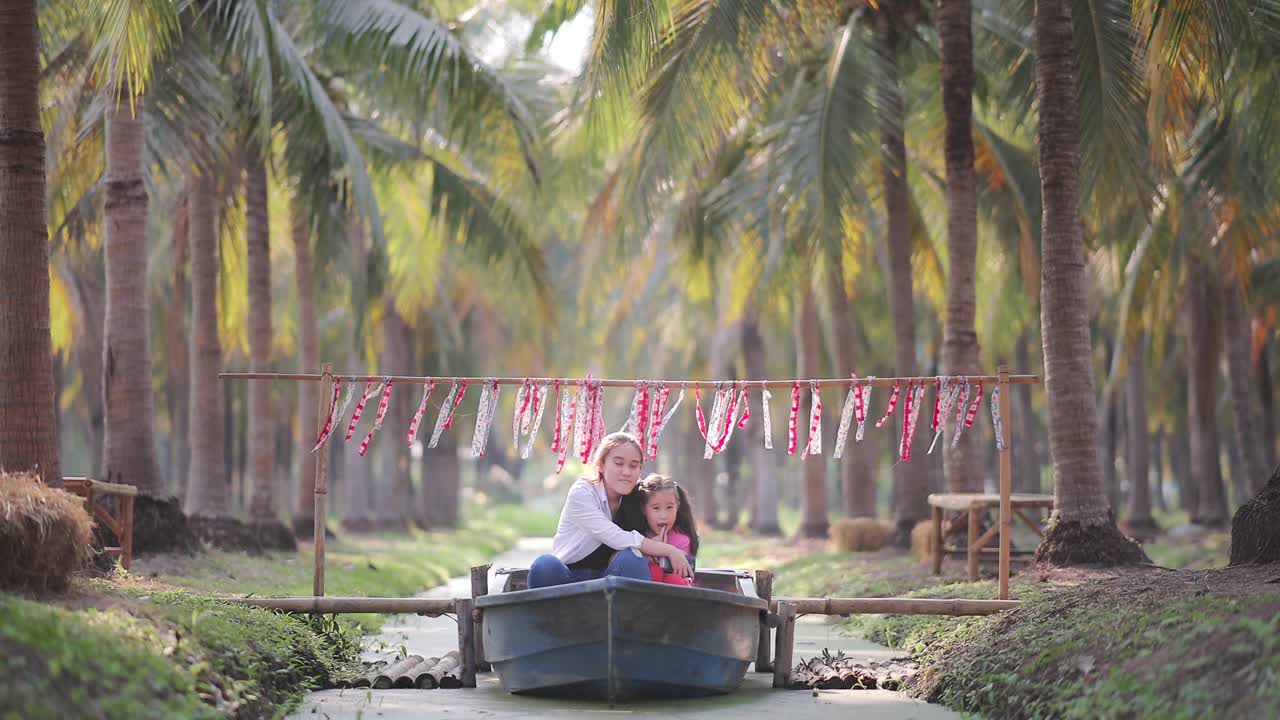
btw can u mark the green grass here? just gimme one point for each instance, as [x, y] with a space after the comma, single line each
[163, 647]
[162, 655]
[1082, 653]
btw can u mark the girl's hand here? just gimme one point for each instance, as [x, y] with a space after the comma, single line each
[680, 562]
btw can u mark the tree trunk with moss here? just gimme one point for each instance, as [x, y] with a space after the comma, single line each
[1083, 529]
[1201, 326]
[308, 362]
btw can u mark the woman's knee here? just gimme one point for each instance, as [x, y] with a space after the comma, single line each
[547, 570]
[626, 563]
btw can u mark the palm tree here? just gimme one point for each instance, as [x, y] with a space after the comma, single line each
[1083, 529]
[28, 421]
[960, 338]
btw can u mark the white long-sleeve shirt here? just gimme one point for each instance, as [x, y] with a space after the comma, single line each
[586, 524]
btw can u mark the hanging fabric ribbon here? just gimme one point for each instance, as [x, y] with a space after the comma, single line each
[938, 384]
[590, 427]
[539, 407]
[657, 405]
[331, 417]
[969, 417]
[560, 399]
[904, 443]
[728, 419]
[568, 407]
[422, 410]
[893, 403]
[765, 421]
[717, 419]
[792, 418]
[597, 412]
[863, 401]
[697, 404]
[377, 419]
[915, 414]
[355, 415]
[815, 422]
[995, 417]
[746, 409]
[950, 391]
[962, 404]
[666, 417]
[846, 417]
[446, 414]
[520, 421]
[462, 392]
[484, 416]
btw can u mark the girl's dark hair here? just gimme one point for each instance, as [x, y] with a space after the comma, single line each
[656, 483]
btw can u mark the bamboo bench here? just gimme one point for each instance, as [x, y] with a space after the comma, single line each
[117, 516]
[971, 506]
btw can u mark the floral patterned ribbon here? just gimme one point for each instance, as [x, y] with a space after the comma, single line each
[331, 417]
[377, 419]
[815, 422]
[422, 410]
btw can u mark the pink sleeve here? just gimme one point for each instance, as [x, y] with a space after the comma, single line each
[680, 540]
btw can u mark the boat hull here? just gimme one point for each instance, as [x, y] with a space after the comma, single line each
[621, 639]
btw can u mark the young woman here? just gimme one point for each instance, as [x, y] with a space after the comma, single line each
[588, 542]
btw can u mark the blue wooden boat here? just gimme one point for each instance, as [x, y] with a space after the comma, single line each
[622, 639]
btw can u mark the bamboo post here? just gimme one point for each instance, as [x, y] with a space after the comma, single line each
[973, 551]
[1006, 481]
[480, 588]
[466, 641]
[785, 639]
[764, 590]
[938, 540]
[322, 471]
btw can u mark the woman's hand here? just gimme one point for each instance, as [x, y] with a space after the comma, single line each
[680, 562]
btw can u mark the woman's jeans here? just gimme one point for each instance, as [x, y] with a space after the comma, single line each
[548, 570]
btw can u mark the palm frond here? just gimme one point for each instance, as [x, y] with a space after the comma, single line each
[131, 36]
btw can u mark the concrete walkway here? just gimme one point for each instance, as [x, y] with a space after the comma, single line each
[435, 636]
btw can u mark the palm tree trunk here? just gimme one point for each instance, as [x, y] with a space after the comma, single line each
[1180, 461]
[1266, 397]
[960, 338]
[178, 365]
[1254, 455]
[814, 469]
[911, 480]
[1026, 459]
[764, 466]
[1083, 529]
[1138, 463]
[308, 362]
[90, 298]
[395, 491]
[857, 484]
[1157, 476]
[1202, 370]
[261, 435]
[209, 487]
[28, 418]
[357, 490]
[129, 442]
[442, 480]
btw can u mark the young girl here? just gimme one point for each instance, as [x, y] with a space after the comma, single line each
[588, 542]
[668, 517]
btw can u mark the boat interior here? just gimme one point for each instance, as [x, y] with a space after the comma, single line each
[737, 582]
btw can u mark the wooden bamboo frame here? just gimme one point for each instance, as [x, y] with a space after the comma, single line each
[424, 379]
[895, 606]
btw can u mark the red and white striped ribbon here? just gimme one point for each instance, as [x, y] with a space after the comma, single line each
[717, 419]
[846, 417]
[792, 418]
[462, 392]
[995, 417]
[539, 407]
[593, 422]
[904, 443]
[484, 416]
[446, 414]
[937, 402]
[915, 415]
[893, 403]
[962, 403]
[657, 403]
[560, 399]
[330, 418]
[697, 405]
[950, 392]
[730, 409]
[863, 401]
[355, 415]
[746, 409]
[581, 422]
[422, 410]
[765, 421]
[666, 418]
[815, 422]
[520, 421]
[568, 405]
[377, 419]
[973, 409]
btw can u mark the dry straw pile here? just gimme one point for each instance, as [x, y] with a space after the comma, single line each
[858, 534]
[44, 533]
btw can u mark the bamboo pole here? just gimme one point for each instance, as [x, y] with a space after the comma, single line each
[1006, 481]
[764, 590]
[895, 606]
[480, 588]
[327, 605]
[466, 641]
[322, 472]
[785, 638]
[423, 379]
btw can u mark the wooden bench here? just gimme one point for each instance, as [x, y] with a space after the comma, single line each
[970, 506]
[116, 515]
